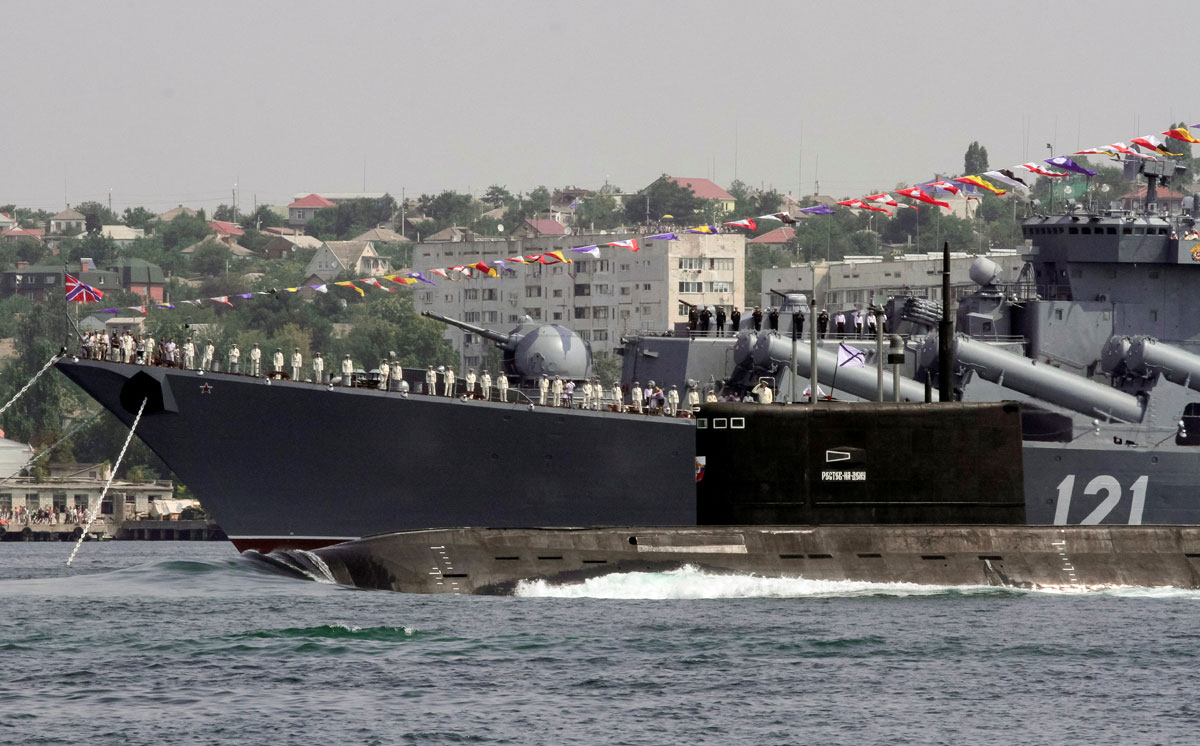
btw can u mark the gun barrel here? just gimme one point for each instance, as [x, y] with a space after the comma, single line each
[497, 337]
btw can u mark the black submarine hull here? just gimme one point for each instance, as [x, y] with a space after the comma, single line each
[496, 561]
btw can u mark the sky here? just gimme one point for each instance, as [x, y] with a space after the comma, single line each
[165, 103]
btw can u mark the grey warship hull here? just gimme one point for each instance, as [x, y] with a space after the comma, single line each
[284, 464]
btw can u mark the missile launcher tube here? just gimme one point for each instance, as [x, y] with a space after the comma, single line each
[1044, 382]
[859, 381]
[1147, 355]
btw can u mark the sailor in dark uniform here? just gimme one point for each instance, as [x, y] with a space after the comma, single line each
[735, 321]
[693, 317]
[757, 316]
[720, 321]
[822, 323]
[705, 319]
[773, 318]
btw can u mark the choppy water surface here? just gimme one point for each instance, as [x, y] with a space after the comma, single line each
[189, 643]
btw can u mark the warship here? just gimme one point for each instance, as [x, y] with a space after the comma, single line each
[1098, 342]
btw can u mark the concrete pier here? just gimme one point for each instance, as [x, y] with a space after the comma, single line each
[105, 528]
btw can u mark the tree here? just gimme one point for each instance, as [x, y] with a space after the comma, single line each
[184, 231]
[600, 211]
[99, 249]
[263, 217]
[663, 197]
[96, 215]
[37, 416]
[210, 258]
[497, 196]
[137, 217]
[351, 218]
[976, 160]
[223, 212]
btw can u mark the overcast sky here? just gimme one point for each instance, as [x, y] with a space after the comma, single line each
[169, 102]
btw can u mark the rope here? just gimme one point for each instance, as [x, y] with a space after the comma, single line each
[96, 511]
[25, 388]
[46, 451]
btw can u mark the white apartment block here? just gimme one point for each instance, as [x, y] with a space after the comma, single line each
[852, 282]
[601, 299]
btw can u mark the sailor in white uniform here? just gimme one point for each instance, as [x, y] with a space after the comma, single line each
[235, 358]
[502, 386]
[318, 364]
[255, 361]
[431, 381]
[635, 397]
[543, 389]
[485, 381]
[297, 364]
[471, 381]
[448, 389]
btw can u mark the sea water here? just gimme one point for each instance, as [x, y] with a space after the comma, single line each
[175, 642]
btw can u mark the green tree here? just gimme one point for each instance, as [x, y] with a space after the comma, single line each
[37, 416]
[210, 258]
[97, 248]
[497, 196]
[661, 198]
[138, 217]
[976, 159]
[223, 212]
[263, 217]
[600, 211]
[184, 231]
[96, 215]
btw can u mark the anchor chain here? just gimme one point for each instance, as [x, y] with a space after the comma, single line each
[92, 515]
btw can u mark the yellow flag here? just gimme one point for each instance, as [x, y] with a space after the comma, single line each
[350, 284]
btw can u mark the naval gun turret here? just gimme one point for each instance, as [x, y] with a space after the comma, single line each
[532, 350]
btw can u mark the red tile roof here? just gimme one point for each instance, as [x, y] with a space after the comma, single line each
[702, 188]
[225, 228]
[312, 200]
[31, 232]
[546, 226]
[779, 235]
[1163, 193]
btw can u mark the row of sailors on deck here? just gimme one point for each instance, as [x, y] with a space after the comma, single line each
[143, 350]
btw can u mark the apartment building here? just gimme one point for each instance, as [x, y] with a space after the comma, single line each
[600, 298]
[852, 282]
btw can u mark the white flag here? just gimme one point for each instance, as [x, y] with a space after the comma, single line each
[850, 357]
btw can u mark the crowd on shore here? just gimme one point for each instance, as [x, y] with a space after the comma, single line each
[23, 516]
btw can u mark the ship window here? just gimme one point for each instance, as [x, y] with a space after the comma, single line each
[1126, 230]
[1154, 315]
[1086, 231]
[1058, 314]
[720, 423]
[702, 423]
[1139, 231]
[737, 423]
[1073, 230]
[1189, 434]
[1112, 231]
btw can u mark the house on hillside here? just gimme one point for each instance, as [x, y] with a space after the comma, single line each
[356, 257]
[122, 235]
[284, 247]
[777, 238]
[707, 191]
[41, 282]
[453, 234]
[302, 210]
[382, 235]
[235, 248]
[7, 221]
[534, 227]
[68, 222]
[1166, 199]
[174, 212]
[226, 229]
[141, 277]
[16, 234]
